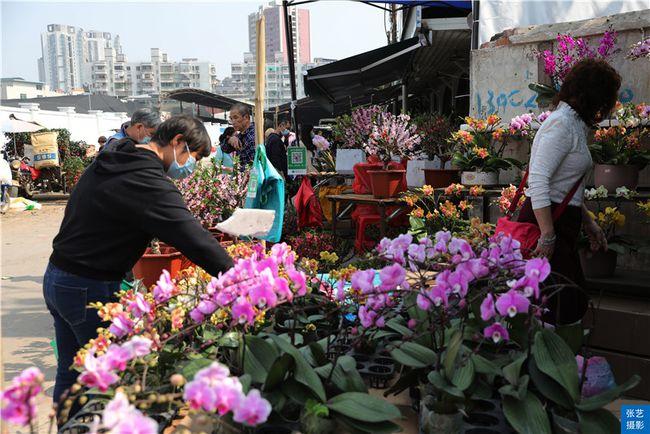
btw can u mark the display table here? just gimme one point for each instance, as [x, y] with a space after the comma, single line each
[350, 200]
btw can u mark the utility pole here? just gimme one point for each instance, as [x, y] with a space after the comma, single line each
[393, 23]
[290, 58]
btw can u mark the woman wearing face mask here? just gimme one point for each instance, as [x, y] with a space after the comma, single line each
[123, 200]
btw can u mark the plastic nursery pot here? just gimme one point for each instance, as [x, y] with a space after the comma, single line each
[385, 183]
[479, 178]
[599, 263]
[614, 176]
[150, 266]
[440, 178]
[438, 423]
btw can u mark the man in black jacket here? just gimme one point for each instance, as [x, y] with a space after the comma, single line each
[123, 200]
[276, 150]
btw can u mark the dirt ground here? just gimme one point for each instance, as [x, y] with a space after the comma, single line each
[26, 325]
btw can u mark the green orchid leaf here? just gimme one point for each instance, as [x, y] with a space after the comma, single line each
[527, 416]
[550, 388]
[555, 359]
[598, 422]
[363, 407]
[413, 355]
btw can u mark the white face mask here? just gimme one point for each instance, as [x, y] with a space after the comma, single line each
[176, 171]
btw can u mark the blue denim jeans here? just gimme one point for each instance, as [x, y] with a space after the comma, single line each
[67, 297]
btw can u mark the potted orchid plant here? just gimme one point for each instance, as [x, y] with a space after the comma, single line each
[464, 320]
[568, 52]
[392, 137]
[611, 220]
[479, 151]
[618, 150]
[435, 131]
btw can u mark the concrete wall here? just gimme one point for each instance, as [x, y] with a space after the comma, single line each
[500, 73]
[86, 127]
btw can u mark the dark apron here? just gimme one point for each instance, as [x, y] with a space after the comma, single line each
[571, 303]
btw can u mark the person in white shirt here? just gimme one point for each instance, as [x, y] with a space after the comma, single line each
[559, 161]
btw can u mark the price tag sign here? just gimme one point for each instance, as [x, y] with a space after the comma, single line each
[297, 160]
[252, 185]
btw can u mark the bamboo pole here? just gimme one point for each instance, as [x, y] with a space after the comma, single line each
[260, 80]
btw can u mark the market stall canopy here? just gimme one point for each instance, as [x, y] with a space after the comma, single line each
[444, 59]
[311, 111]
[81, 103]
[362, 74]
[204, 98]
[14, 125]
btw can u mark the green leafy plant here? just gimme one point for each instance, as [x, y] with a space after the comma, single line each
[481, 147]
[622, 144]
[436, 130]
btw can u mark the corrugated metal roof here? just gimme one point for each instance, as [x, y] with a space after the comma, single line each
[447, 55]
[81, 103]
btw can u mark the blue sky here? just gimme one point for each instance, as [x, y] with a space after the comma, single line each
[210, 30]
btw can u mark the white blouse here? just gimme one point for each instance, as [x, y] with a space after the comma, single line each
[559, 157]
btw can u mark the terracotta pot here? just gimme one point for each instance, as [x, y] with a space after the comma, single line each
[479, 178]
[150, 266]
[385, 183]
[440, 178]
[614, 176]
[599, 263]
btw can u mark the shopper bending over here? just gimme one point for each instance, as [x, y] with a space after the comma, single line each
[142, 125]
[123, 200]
[559, 159]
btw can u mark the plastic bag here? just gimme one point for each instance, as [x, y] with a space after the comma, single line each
[266, 191]
[307, 206]
[222, 159]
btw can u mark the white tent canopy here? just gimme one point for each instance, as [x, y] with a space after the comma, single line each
[495, 16]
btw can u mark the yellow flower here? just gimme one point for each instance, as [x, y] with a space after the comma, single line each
[619, 219]
[427, 190]
[493, 120]
[310, 327]
[476, 190]
[592, 215]
[329, 257]
[644, 207]
[417, 213]
[463, 205]
[481, 152]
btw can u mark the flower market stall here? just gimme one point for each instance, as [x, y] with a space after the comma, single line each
[388, 301]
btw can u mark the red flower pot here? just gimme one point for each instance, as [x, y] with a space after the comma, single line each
[386, 183]
[150, 266]
[440, 178]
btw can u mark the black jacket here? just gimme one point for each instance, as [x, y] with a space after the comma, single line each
[277, 153]
[122, 201]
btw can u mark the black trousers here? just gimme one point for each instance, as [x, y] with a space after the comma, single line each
[571, 303]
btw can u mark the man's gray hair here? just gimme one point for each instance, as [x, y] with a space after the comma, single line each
[242, 109]
[147, 117]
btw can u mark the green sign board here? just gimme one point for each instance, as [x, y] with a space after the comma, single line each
[297, 160]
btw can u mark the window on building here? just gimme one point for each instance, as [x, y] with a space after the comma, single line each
[23, 96]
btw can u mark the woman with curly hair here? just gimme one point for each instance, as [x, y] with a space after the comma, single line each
[559, 161]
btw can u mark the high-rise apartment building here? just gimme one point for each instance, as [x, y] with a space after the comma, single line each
[160, 74]
[74, 59]
[276, 41]
[68, 54]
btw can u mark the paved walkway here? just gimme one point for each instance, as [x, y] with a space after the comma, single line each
[26, 324]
